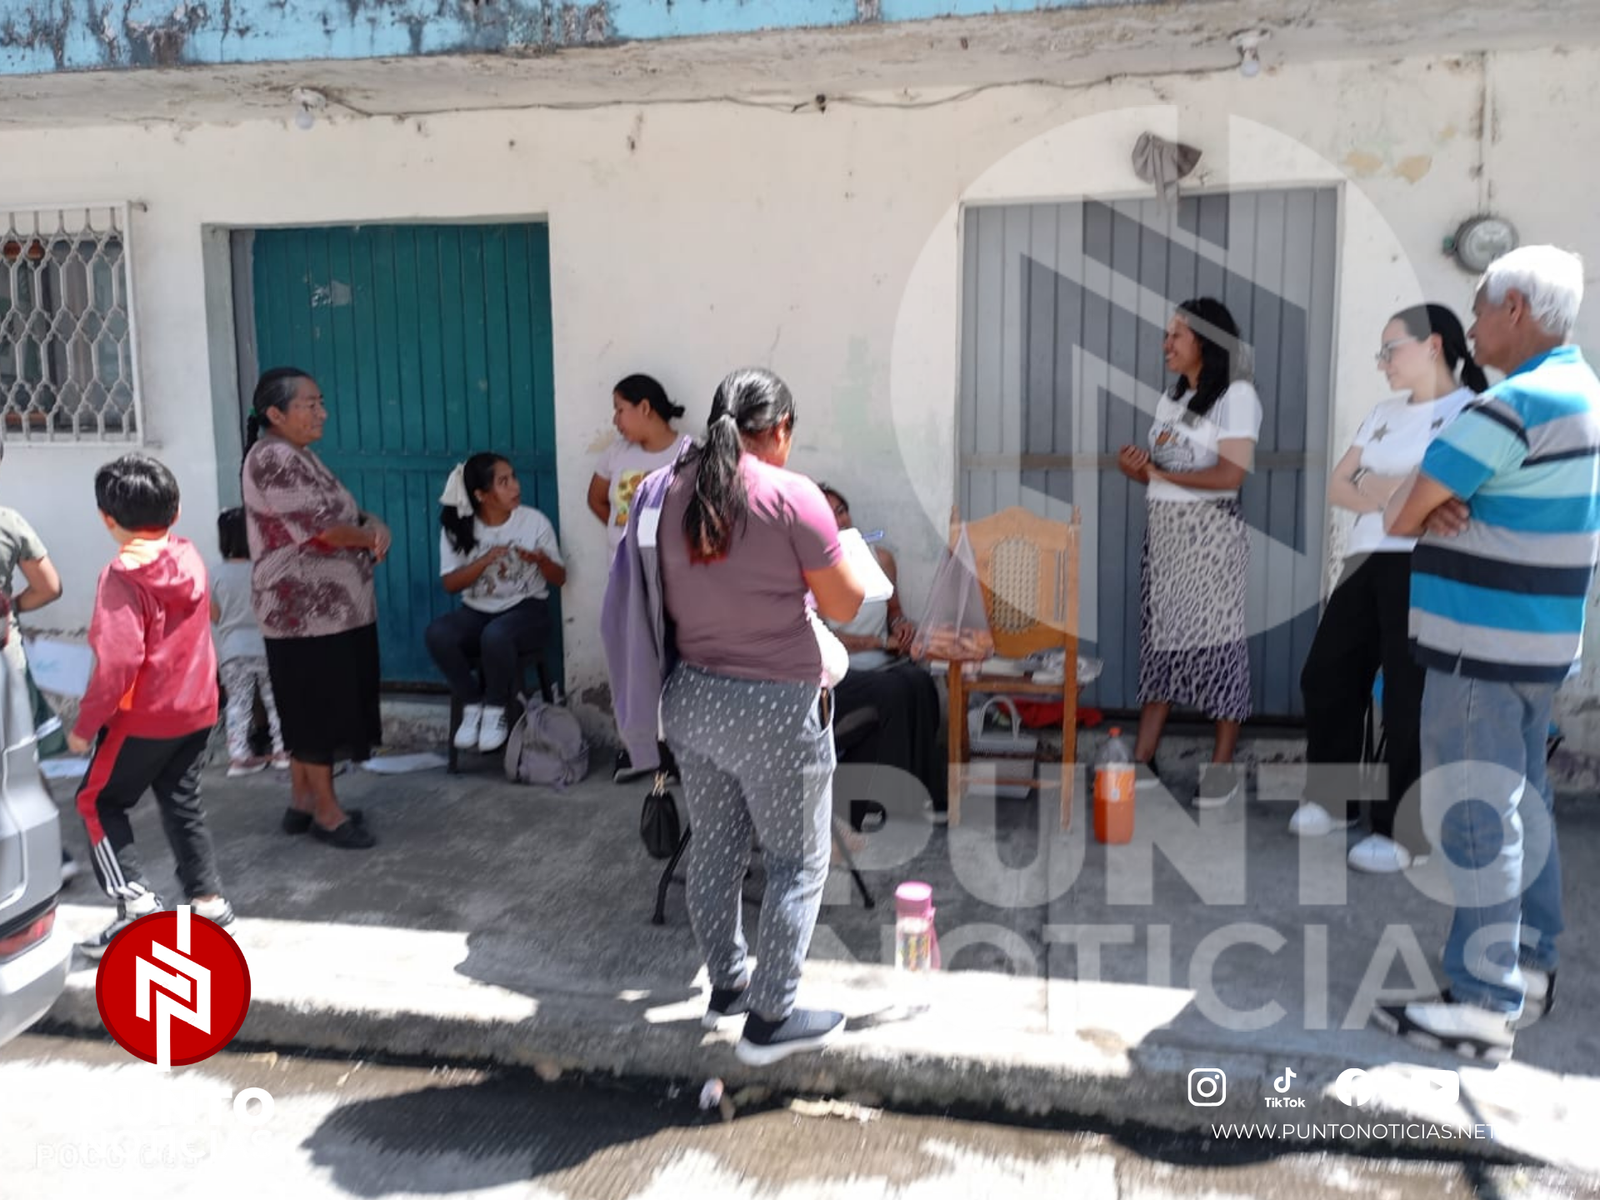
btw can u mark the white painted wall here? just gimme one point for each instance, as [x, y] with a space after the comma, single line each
[688, 240]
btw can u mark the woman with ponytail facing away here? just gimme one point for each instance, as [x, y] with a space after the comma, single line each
[1424, 357]
[739, 542]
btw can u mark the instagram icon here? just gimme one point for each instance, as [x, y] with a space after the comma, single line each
[1208, 1087]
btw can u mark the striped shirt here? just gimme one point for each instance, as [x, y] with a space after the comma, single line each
[1505, 599]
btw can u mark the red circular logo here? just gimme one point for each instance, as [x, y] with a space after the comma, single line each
[173, 988]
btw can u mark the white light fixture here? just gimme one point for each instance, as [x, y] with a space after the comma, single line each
[1248, 43]
[1481, 240]
[308, 103]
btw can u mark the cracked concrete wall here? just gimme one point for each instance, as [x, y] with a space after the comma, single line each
[42, 36]
[689, 239]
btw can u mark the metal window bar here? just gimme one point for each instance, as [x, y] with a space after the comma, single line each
[69, 367]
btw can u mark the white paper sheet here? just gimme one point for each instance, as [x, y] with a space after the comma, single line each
[60, 667]
[865, 565]
[404, 764]
[63, 768]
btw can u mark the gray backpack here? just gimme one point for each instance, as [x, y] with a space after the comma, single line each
[546, 747]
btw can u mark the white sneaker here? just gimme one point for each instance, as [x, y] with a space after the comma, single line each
[471, 723]
[1312, 820]
[1378, 855]
[1465, 1029]
[493, 734]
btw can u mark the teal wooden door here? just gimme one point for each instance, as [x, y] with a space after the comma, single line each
[430, 342]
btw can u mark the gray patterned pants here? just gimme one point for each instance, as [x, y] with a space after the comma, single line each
[757, 761]
[242, 678]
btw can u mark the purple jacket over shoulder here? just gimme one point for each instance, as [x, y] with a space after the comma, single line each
[635, 628]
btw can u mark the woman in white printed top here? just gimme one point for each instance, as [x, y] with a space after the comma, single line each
[642, 414]
[1196, 548]
[1424, 356]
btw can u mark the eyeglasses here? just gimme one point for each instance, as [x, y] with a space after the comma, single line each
[1386, 351]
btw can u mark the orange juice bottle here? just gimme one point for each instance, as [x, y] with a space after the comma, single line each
[1113, 791]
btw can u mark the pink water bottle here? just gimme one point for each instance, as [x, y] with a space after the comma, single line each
[916, 945]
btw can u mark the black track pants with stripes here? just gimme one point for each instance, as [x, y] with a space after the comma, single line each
[121, 771]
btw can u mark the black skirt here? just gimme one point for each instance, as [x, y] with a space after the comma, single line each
[327, 693]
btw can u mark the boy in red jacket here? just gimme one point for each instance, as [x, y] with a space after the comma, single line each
[152, 700]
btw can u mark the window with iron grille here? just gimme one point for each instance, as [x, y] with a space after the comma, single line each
[68, 370]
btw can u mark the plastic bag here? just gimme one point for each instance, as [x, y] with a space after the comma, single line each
[955, 625]
[835, 658]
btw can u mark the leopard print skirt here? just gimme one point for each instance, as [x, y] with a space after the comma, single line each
[1191, 608]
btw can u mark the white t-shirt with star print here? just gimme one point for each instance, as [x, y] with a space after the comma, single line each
[1392, 441]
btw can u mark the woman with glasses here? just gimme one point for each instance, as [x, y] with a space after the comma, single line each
[1424, 356]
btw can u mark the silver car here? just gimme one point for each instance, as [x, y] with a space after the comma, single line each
[34, 953]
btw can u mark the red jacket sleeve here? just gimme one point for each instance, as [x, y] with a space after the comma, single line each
[117, 637]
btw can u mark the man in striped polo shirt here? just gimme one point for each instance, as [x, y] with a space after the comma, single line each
[1508, 496]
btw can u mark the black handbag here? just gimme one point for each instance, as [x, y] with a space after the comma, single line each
[658, 821]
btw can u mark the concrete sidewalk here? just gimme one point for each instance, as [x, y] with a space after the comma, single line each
[508, 924]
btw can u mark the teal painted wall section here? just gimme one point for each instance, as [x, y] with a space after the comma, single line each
[44, 36]
[430, 343]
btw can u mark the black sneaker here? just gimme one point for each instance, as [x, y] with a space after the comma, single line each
[625, 771]
[1539, 995]
[1219, 785]
[766, 1042]
[128, 911]
[726, 1002]
[1146, 778]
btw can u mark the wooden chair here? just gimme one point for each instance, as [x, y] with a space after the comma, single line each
[1028, 570]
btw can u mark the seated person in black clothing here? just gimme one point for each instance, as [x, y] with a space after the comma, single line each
[883, 678]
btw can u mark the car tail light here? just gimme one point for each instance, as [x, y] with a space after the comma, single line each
[30, 936]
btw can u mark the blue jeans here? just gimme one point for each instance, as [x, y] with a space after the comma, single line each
[1483, 768]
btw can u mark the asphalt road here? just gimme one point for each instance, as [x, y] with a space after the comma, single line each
[81, 1118]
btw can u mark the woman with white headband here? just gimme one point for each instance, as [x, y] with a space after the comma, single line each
[503, 558]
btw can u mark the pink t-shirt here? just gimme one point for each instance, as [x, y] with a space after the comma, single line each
[745, 615]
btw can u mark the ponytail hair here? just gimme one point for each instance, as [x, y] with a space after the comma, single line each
[643, 389]
[1426, 320]
[275, 389]
[477, 475]
[1221, 353]
[749, 403]
[233, 535]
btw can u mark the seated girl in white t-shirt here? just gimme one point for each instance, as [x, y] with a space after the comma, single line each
[502, 558]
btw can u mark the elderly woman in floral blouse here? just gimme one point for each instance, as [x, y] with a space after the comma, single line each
[313, 551]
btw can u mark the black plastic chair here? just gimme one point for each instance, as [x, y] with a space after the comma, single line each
[534, 659]
[849, 732]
